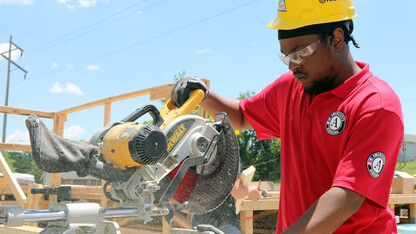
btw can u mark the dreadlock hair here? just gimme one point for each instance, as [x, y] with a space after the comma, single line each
[323, 30]
[347, 26]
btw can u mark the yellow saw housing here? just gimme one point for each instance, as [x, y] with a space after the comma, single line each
[127, 144]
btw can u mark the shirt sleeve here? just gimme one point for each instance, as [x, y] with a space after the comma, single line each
[369, 160]
[261, 111]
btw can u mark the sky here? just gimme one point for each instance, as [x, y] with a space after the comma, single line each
[80, 51]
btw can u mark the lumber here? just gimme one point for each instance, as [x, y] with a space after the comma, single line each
[246, 221]
[246, 177]
[115, 99]
[12, 182]
[27, 112]
[20, 230]
[269, 204]
[15, 147]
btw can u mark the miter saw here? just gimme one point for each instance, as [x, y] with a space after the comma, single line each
[185, 157]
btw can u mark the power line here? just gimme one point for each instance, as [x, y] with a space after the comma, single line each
[58, 40]
[409, 100]
[153, 38]
[260, 163]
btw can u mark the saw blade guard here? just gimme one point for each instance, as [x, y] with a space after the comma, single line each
[206, 186]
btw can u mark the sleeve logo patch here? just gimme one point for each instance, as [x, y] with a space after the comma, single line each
[335, 123]
[375, 164]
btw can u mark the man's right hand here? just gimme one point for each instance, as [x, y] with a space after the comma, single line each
[183, 87]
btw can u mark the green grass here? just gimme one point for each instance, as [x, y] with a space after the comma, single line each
[409, 167]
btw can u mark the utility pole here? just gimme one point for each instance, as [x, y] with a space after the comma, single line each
[9, 59]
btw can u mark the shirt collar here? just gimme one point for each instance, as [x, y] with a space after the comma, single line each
[352, 83]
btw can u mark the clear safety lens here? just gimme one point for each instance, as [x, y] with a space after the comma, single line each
[299, 57]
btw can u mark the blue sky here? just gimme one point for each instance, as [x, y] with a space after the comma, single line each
[79, 51]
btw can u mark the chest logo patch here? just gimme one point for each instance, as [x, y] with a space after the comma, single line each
[335, 123]
[375, 164]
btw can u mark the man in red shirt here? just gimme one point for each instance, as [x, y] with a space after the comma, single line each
[341, 127]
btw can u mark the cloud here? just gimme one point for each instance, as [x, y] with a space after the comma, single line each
[17, 2]
[67, 4]
[72, 4]
[69, 66]
[87, 3]
[15, 54]
[55, 65]
[18, 137]
[74, 132]
[202, 51]
[93, 67]
[68, 88]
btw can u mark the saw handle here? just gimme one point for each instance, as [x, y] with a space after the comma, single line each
[139, 112]
[169, 111]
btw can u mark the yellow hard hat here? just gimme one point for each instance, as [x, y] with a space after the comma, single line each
[293, 14]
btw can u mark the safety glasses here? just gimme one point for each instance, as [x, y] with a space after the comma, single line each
[299, 57]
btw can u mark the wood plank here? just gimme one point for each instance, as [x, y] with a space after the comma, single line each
[12, 182]
[15, 147]
[402, 198]
[245, 179]
[113, 99]
[34, 199]
[246, 221]
[162, 92]
[9, 202]
[107, 119]
[139, 230]
[107, 113]
[6, 189]
[58, 124]
[20, 230]
[166, 227]
[125, 221]
[182, 221]
[27, 112]
[412, 213]
[269, 204]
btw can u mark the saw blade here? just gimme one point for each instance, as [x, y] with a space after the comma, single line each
[210, 190]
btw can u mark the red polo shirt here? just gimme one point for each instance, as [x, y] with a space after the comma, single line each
[348, 137]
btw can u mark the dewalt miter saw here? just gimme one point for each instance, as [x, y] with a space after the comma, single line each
[185, 157]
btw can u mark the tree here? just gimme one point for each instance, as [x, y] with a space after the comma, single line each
[22, 162]
[264, 154]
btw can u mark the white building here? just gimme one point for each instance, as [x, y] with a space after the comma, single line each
[408, 150]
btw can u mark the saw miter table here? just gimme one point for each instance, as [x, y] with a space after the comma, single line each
[179, 157]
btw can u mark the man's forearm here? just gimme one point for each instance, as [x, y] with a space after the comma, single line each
[331, 210]
[216, 103]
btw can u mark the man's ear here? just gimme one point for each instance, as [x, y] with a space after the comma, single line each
[338, 39]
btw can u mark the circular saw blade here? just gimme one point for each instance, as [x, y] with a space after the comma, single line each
[210, 190]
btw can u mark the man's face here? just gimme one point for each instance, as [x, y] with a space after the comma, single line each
[316, 73]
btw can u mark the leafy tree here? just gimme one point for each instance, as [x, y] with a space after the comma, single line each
[22, 162]
[264, 155]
